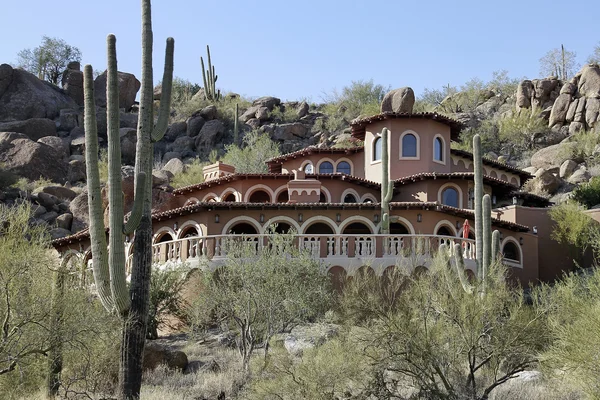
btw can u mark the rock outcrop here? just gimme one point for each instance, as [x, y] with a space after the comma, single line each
[399, 100]
[128, 88]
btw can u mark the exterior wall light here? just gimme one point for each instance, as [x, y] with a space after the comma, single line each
[419, 217]
[300, 217]
[457, 224]
[494, 199]
[521, 240]
[338, 217]
[175, 226]
[217, 218]
[376, 218]
[262, 218]
[514, 200]
[535, 230]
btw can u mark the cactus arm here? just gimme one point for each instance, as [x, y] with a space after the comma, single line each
[487, 234]
[116, 256]
[496, 256]
[204, 78]
[387, 187]
[165, 100]
[236, 126]
[96, 229]
[136, 213]
[211, 74]
[477, 162]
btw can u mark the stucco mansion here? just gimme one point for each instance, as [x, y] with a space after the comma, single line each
[329, 197]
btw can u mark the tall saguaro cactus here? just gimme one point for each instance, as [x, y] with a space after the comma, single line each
[387, 186]
[210, 79]
[109, 266]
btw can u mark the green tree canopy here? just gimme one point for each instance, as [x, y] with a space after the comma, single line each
[49, 60]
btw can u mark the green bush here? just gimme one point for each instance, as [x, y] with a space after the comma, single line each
[519, 132]
[258, 148]
[167, 306]
[192, 174]
[588, 193]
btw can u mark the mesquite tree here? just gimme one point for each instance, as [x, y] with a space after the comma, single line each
[109, 266]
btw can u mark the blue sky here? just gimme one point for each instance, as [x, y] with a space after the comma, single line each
[302, 49]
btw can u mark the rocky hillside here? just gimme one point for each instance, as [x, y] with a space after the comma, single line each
[42, 135]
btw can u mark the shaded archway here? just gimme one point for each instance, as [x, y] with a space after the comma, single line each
[259, 196]
[164, 237]
[319, 228]
[243, 228]
[282, 227]
[283, 197]
[230, 198]
[397, 228]
[356, 228]
[444, 231]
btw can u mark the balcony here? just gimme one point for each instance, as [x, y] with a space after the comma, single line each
[347, 251]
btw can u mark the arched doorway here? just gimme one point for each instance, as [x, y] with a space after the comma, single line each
[283, 197]
[357, 228]
[321, 245]
[282, 227]
[319, 228]
[259, 196]
[397, 228]
[243, 228]
[444, 231]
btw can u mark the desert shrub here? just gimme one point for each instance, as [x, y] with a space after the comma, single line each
[251, 157]
[167, 306]
[520, 131]
[588, 194]
[7, 178]
[331, 371]
[574, 228]
[261, 293]
[536, 187]
[574, 321]
[225, 108]
[284, 114]
[447, 343]
[584, 148]
[26, 185]
[192, 174]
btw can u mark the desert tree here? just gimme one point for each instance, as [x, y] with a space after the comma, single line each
[257, 148]
[48, 60]
[559, 62]
[594, 58]
[266, 286]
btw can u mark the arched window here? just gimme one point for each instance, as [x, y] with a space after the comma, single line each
[511, 252]
[326, 168]
[409, 145]
[438, 149]
[350, 198]
[344, 168]
[450, 197]
[308, 168]
[377, 149]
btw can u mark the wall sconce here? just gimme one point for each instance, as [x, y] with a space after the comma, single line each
[262, 218]
[300, 217]
[338, 217]
[419, 217]
[521, 240]
[376, 218]
[501, 236]
[514, 200]
[175, 226]
[494, 199]
[217, 218]
[457, 224]
[535, 230]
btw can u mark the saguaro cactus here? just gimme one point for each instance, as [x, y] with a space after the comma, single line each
[236, 128]
[109, 269]
[210, 79]
[387, 186]
[109, 266]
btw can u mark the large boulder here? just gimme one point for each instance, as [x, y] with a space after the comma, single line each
[194, 125]
[524, 94]
[553, 156]
[72, 82]
[559, 109]
[250, 113]
[547, 181]
[291, 131]
[60, 192]
[589, 81]
[399, 100]
[33, 128]
[156, 354]
[128, 88]
[175, 130]
[592, 110]
[174, 166]
[80, 211]
[58, 144]
[23, 96]
[208, 113]
[209, 135]
[30, 159]
[267, 101]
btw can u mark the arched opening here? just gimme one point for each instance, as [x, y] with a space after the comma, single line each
[189, 231]
[308, 168]
[356, 228]
[164, 237]
[511, 252]
[260, 196]
[283, 197]
[338, 278]
[343, 167]
[409, 145]
[450, 197]
[444, 231]
[230, 198]
[493, 174]
[377, 149]
[365, 272]
[438, 149]
[397, 228]
[243, 228]
[319, 228]
[282, 227]
[326, 168]
[420, 271]
[322, 198]
[350, 198]
[514, 181]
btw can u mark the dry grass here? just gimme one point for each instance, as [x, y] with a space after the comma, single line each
[534, 390]
[213, 370]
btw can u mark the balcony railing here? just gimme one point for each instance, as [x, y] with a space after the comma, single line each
[214, 249]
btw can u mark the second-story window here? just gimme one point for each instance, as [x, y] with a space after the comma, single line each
[308, 168]
[450, 197]
[344, 168]
[409, 145]
[438, 149]
[377, 149]
[326, 168]
[350, 198]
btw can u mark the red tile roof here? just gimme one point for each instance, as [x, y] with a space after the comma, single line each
[236, 177]
[314, 150]
[358, 125]
[454, 175]
[488, 161]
